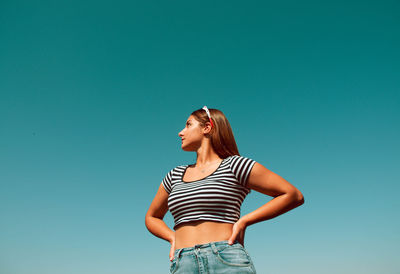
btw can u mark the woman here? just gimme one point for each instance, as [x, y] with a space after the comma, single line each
[205, 198]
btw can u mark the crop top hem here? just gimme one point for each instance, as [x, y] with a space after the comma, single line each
[205, 219]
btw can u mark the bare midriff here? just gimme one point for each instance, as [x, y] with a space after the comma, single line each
[201, 232]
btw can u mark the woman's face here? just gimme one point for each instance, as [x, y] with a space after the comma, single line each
[192, 135]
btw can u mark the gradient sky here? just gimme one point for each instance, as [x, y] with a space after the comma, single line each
[94, 93]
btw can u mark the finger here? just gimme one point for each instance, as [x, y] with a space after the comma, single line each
[232, 238]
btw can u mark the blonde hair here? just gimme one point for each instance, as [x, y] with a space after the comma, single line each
[221, 135]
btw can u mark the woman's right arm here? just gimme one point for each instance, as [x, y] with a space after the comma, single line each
[154, 217]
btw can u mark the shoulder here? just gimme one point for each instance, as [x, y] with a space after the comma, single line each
[176, 171]
[239, 159]
[179, 168]
[241, 167]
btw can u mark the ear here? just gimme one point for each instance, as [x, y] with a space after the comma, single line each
[207, 128]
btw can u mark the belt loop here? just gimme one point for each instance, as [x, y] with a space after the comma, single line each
[214, 248]
[178, 253]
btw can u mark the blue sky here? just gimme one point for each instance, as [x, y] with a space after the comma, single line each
[94, 93]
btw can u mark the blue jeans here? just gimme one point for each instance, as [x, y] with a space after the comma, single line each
[210, 258]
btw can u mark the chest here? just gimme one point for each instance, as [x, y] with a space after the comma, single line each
[195, 174]
[211, 190]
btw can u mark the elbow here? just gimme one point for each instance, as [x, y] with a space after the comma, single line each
[147, 221]
[298, 198]
[301, 200]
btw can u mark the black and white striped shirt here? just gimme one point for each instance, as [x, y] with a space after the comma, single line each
[217, 197]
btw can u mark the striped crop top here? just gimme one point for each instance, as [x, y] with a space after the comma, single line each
[217, 197]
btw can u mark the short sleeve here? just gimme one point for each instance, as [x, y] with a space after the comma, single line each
[241, 168]
[167, 181]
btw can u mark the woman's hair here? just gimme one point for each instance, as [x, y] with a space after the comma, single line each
[221, 135]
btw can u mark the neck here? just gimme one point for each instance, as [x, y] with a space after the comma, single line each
[207, 160]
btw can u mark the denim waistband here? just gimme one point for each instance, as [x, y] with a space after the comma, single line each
[211, 245]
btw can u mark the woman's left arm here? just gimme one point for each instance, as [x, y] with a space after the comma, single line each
[287, 197]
